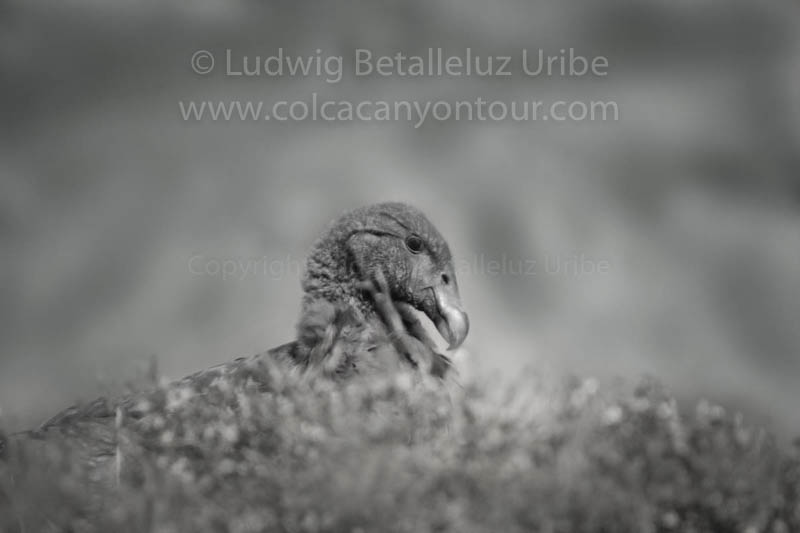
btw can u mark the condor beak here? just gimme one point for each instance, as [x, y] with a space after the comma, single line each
[449, 317]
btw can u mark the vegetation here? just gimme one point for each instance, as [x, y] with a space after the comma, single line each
[276, 451]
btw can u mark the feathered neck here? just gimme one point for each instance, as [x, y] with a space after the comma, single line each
[332, 276]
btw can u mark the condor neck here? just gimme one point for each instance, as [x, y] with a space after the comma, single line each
[333, 282]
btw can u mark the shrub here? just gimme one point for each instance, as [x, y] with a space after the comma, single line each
[266, 449]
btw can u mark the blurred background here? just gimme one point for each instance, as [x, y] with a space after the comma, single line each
[114, 210]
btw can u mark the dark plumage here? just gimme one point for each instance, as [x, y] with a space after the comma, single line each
[365, 277]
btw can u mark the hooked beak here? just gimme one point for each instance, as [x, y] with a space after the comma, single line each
[448, 316]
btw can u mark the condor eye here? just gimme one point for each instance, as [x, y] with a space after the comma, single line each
[414, 244]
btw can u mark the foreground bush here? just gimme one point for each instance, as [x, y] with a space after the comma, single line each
[269, 450]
